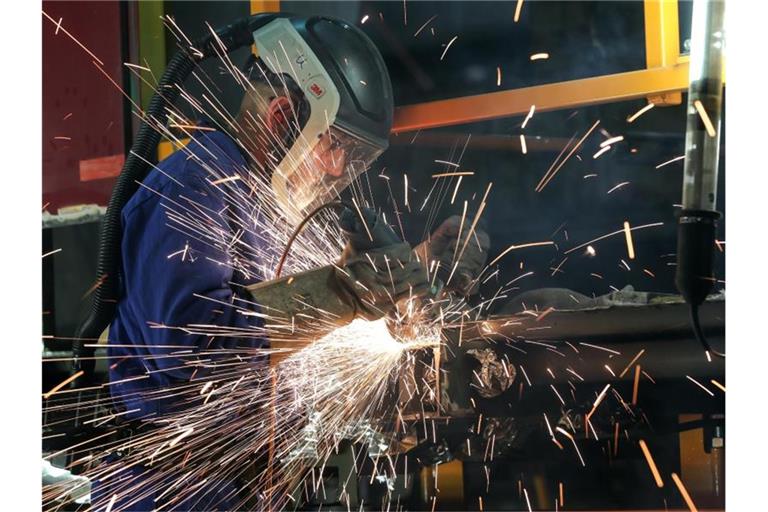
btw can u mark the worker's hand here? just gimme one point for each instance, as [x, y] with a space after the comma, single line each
[441, 248]
[375, 280]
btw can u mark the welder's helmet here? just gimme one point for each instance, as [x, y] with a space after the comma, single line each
[346, 86]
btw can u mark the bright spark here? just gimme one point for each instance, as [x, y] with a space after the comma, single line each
[448, 46]
[677, 158]
[640, 112]
[651, 464]
[630, 244]
[518, 7]
[705, 118]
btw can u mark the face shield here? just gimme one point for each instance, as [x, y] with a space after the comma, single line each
[329, 167]
[325, 157]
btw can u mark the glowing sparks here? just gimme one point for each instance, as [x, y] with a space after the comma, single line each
[111, 503]
[528, 117]
[63, 383]
[551, 173]
[672, 160]
[636, 385]
[636, 228]
[633, 361]
[601, 152]
[51, 252]
[540, 56]
[628, 237]
[573, 441]
[705, 118]
[424, 25]
[516, 247]
[338, 380]
[518, 8]
[59, 27]
[456, 189]
[527, 501]
[612, 140]
[448, 46]
[598, 400]
[450, 174]
[617, 187]
[562, 402]
[651, 464]
[598, 347]
[640, 112]
[136, 66]
[181, 436]
[228, 179]
[405, 189]
[684, 493]
[702, 386]
[718, 385]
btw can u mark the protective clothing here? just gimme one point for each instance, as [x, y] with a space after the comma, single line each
[441, 248]
[168, 275]
[166, 278]
[344, 80]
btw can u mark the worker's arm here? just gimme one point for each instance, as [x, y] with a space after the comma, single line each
[178, 285]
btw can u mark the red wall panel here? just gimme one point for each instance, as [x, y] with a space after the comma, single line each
[83, 125]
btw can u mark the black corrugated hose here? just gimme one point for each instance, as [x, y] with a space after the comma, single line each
[143, 151]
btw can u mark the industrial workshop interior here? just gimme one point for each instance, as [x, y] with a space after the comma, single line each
[384, 255]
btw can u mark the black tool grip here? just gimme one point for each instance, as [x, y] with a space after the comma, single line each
[694, 276]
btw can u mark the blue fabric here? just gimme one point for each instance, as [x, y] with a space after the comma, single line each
[157, 288]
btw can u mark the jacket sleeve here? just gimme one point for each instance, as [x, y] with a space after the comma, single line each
[179, 284]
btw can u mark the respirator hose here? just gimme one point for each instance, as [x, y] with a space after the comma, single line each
[137, 165]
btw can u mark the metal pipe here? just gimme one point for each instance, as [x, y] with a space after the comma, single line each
[705, 95]
[697, 221]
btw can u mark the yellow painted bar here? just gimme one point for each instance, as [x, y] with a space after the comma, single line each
[450, 483]
[662, 42]
[574, 93]
[258, 6]
[166, 147]
[662, 33]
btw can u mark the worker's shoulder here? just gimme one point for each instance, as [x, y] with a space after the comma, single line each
[189, 172]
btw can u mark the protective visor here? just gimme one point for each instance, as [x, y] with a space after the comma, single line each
[325, 157]
[334, 162]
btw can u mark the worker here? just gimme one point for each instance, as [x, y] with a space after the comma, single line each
[335, 93]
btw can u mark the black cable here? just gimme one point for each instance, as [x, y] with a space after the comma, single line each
[300, 227]
[699, 333]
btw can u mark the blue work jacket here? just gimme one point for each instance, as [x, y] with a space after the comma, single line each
[166, 270]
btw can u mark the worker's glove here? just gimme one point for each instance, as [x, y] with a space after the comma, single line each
[373, 281]
[441, 248]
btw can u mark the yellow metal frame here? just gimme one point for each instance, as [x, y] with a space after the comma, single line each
[662, 82]
[662, 42]
[574, 93]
